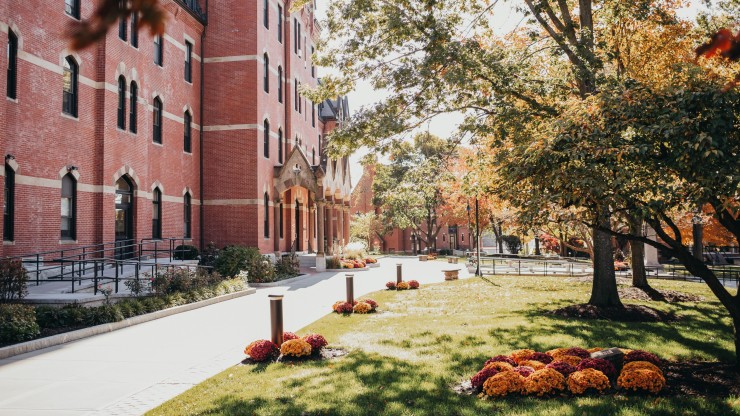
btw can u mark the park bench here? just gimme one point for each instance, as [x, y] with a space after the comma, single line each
[451, 274]
[452, 259]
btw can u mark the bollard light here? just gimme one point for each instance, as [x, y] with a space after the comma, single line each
[276, 319]
[350, 288]
[399, 273]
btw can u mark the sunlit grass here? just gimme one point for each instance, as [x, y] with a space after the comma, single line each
[405, 359]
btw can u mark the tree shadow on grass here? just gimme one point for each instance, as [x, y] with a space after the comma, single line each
[370, 384]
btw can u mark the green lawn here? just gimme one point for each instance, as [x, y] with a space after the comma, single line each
[404, 359]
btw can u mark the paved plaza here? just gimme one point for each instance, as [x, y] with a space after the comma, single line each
[130, 371]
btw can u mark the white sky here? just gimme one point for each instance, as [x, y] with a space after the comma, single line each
[504, 19]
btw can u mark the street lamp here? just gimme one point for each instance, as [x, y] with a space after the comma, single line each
[477, 239]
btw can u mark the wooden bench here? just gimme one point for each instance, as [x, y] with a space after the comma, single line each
[423, 257]
[451, 274]
[452, 259]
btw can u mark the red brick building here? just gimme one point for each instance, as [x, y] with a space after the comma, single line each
[451, 237]
[199, 134]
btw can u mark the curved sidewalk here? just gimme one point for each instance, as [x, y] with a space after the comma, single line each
[130, 371]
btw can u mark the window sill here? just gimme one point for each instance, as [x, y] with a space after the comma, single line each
[70, 116]
[188, 153]
[189, 82]
[76, 19]
[64, 242]
[158, 144]
[12, 100]
[8, 243]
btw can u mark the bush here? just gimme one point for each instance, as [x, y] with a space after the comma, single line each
[333, 263]
[17, 324]
[185, 252]
[209, 255]
[287, 266]
[513, 243]
[12, 280]
[445, 252]
[234, 259]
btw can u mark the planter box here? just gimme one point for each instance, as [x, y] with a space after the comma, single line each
[451, 274]
[423, 257]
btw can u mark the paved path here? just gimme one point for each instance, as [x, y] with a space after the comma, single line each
[130, 371]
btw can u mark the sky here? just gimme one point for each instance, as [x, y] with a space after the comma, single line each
[504, 19]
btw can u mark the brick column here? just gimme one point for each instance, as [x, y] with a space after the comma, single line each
[320, 243]
[311, 229]
[340, 225]
[330, 228]
[276, 220]
[346, 223]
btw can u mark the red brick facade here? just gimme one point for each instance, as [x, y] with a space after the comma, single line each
[42, 144]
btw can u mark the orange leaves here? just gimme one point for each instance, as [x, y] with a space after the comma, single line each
[84, 33]
[722, 43]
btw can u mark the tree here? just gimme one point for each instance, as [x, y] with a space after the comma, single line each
[366, 226]
[409, 189]
[87, 32]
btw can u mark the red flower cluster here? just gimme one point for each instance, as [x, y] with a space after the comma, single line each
[578, 352]
[391, 285]
[562, 367]
[600, 364]
[413, 284]
[639, 355]
[541, 357]
[501, 358]
[524, 371]
[287, 336]
[316, 341]
[262, 350]
[481, 376]
[344, 308]
[373, 304]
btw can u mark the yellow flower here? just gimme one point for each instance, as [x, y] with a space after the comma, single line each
[295, 348]
[500, 366]
[588, 378]
[641, 379]
[532, 363]
[504, 383]
[544, 381]
[570, 359]
[521, 355]
[363, 307]
[641, 365]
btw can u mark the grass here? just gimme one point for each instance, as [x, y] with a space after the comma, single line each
[404, 360]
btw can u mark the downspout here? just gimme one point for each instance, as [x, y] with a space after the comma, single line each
[202, 93]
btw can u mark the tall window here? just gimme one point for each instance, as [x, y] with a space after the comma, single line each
[266, 13]
[188, 62]
[12, 79]
[298, 97]
[157, 213]
[313, 115]
[69, 191]
[187, 216]
[132, 111]
[158, 50]
[72, 8]
[122, 103]
[266, 78]
[122, 27]
[187, 142]
[281, 220]
[280, 23]
[313, 156]
[313, 67]
[157, 131]
[135, 30]
[280, 84]
[9, 205]
[266, 224]
[69, 81]
[280, 145]
[266, 144]
[295, 94]
[296, 36]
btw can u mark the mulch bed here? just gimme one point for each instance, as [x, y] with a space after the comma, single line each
[326, 354]
[659, 295]
[683, 378]
[630, 313]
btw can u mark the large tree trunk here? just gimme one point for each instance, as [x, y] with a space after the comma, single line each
[604, 291]
[698, 235]
[639, 277]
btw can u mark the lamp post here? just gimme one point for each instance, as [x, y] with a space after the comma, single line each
[276, 318]
[477, 239]
[468, 209]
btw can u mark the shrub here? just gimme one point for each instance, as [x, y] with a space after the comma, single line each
[209, 255]
[344, 308]
[171, 280]
[185, 252]
[402, 286]
[138, 287]
[501, 358]
[316, 341]
[513, 243]
[261, 350]
[234, 259]
[287, 336]
[521, 355]
[639, 355]
[373, 304]
[413, 284]
[500, 366]
[544, 381]
[481, 376]
[445, 252]
[570, 359]
[333, 263]
[578, 352]
[17, 324]
[641, 379]
[355, 250]
[504, 383]
[391, 285]
[589, 378]
[12, 280]
[287, 266]
[362, 307]
[598, 364]
[69, 316]
[641, 365]
[295, 348]
[562, 367]
[541, 357]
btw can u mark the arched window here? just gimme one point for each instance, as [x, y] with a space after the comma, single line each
[280, 145]
[187, 216]
[280, 84]
[12, 80]
[267, 139]
[157, 213]
[266, 78]
[157, 125]
[266, 225]
[134, 96]
[122, 103]
[70, 74]
[69, 202]
[187, 126]
[158, 50]
[9, 205]
[135, 30]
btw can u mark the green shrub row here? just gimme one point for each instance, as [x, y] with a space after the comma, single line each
[17, 323]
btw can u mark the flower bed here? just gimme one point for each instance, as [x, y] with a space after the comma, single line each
[411, 284]
[362, 306]
[293, 347]
[571, 370]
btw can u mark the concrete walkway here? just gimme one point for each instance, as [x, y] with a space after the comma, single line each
[130, 371]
